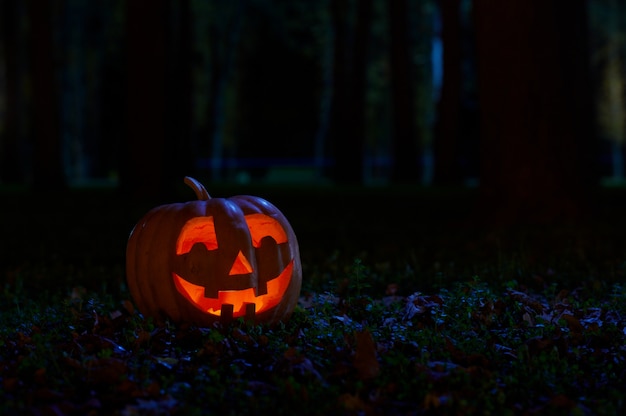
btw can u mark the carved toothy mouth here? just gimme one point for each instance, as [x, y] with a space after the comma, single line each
[239, 299]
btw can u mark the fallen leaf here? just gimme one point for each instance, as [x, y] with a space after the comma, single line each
[526, 300]
[573, 323]
[365, 360]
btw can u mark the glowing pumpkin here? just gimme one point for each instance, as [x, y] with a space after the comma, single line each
[214, 259]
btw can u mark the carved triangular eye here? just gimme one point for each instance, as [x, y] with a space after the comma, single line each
[240, 266]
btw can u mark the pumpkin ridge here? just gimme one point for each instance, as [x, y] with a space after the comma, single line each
[154, 263]
[138, 289]
[240, 221]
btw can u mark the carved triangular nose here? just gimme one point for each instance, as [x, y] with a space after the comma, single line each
[241, 265]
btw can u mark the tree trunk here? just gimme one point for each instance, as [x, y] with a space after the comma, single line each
[48, 167]
[225, 34]
[325, 101]
[405, 167]
[179, 121]
[535, 115]
[10, 169]
[143, 167]
[347, 125]
[447, 127]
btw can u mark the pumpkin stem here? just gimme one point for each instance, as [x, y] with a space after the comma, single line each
[198, 188]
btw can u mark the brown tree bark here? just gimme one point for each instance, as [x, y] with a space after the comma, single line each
[225, 31]
[447, 127]
[535, 116]
[347, 124]
[48, 167]
[10, 171]
[142, 173]
[405, 164]
[179, 121]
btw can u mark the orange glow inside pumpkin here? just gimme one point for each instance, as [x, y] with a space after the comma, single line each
[202, 230]
[238, 298]
[240, 266]
[197, 230]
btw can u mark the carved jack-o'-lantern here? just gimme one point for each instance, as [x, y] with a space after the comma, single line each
[214, 259]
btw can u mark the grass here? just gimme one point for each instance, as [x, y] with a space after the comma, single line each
[396, 318]
[472, 348]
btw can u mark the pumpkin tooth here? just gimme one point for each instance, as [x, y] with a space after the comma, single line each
[227, 313]
[250, 311]
[211, 291]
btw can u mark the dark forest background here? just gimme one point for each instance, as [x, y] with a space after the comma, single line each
[522, 99]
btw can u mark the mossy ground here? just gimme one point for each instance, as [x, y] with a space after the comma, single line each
[405, 309]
